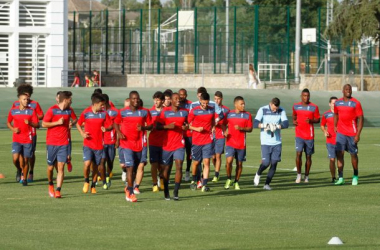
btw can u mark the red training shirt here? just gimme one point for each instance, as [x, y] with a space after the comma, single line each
[34, 105]
[173, 139]
[218, 128]
[186, 106]
[155, 136]
[18, 117]
[348, 115]
[202, 118]
[237, 138]
[110, 136]
[305, 130]
[328, 119]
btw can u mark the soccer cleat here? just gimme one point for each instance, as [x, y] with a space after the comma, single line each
[18, 175]
[57, 194]
[22, 178]
[108, 181]
[355, 180]
[130, 197]
[215, 179]
[167, 197]
[199, 184]
[175, 195]
[340, 181]
[187, 176]
[30, 178]
[124, 176]
[256, 180]
[93, 190]
[69, 166]
[136, 190]
[298, 180]
[51, 191]
[155, 189]
[111, 174]
[205, 189]
[24, 183]
[228, 184]
[99, 179]
[86, 187]
[193, 186]
[105, 186]
[306, 179]
[237, 187]
[267, 187]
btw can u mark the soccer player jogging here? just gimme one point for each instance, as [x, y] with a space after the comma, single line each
[27, 89]
[130, 125]
[185, 104]
[219, 138]
[327, 126]
[348, 124]
[96, 121]
[21, 120]
[174, 121]
[121, 157]
[202, 121]
[270, 119]
[110, 141]
[156, 139]
[57, 122]
[239, 122]
[305, 115]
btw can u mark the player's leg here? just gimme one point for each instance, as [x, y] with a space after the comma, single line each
[27, 154]
[87, 164]
[196, 155]
[188, 144]
[266, 152]
[275, 157]
[240, 158]
[140, 169]
[32, 159]
[340, 147]
[300, 145]
[122, 165]
[179, 156]
[155, 155]
[332, 156]
[110, 157]
[207, 152]
[229, 160]
[60, 177]
[353, 150]
[309, 151]
[102, 172]
[16, 153]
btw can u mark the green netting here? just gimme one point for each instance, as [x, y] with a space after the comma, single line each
[254, 99]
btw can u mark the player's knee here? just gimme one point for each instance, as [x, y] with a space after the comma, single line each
[274, 163]
[265, 163]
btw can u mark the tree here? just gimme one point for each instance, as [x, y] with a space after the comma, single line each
[356, 19]
[127, 4]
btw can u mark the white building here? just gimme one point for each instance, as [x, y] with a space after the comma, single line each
[33, 41]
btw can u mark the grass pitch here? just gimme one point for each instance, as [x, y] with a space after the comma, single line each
[291, 216]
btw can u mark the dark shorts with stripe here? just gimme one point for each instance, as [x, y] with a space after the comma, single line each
[238, 154]
[25, 149]
[109, 152]
[219, 146]
[90, 154]
[56, 154]
[346, 143]
[305, 145]
[199, 152]
[169, 156]
[155, 154]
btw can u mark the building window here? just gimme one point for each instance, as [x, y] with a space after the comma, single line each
[32, 14]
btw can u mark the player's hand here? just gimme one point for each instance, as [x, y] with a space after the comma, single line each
[185, 127]
[117, 144]
[272, 127]
[200, 129]
[16, 130]
[237, 127]
[85, 135]
[103, 129]
[327, 134]
[60, 121]
[26, 121]
[357, 138]
[69, 158]
[121, 136]
[70, 125]
[225, 134]
[295, 123]
[139, 127]
[170, 125]
[336, 129]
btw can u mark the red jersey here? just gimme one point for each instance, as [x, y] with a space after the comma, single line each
[237, 138]
[328, 120]
[25, 130]
[305, 130]
[186, 106]
[202, 118]
[111, 104]
[128, 120]
[58, 135]
[110, 136]
[218, 128]
[76, 81]
[155, 136]
[92, 124]
[34, 105]
[348, 115]
[173, 139]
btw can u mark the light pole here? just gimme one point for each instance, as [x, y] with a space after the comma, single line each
[119, 25]
[227, 29]
[150, 7]
[298, 43]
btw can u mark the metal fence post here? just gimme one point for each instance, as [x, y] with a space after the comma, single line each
[319, 36]
[176, 47]
[256, 44]
[195, 39]
[159, 42]
[107, 42]
[90, 44]
[123, 45]
[288, 37]
[140, 53]
[74, 41]
[214, 40]
[235, 40]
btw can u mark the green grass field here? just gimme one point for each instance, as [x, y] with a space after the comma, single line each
[291, 216]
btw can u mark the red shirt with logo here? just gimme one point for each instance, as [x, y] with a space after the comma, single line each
[237, 138]
[18, 118]
[348, 115]
[173, 139]
[328, 120]
[305, 130]
[202, 118]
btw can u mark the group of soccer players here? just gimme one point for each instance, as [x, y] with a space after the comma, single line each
[201, 130]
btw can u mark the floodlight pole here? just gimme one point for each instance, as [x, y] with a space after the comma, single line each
[150, 8]
[119, 25]
[298, 43]
[227, 29]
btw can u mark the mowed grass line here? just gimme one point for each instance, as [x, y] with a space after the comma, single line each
[291, 216]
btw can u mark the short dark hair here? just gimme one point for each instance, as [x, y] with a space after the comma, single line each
[219, 94]
[98, 90]
[305, 90]
[201, 90]
[59, 92]
[169, 90]
[133, 92]
[63, 95]
[167, 93]
[183, 90]
[175, 93]
[333, 98]
[159, 95]
[25, 89]
[238, 98]
[276, 102]
[205, 96]
[96, 98]
[106, 98]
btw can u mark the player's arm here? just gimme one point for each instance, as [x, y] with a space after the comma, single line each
[336, 118]
[33, 122]
[82, 133]
[258, 122]
[316, 118]
[46, 124]
[248, 128]
[40, 113]
[198, 129]
[119, 134]
[360, 127]
[9, 124]
[294, 116]
[323, 126]
[284, 123]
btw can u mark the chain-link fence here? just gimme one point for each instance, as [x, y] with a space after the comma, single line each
[210, 40]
